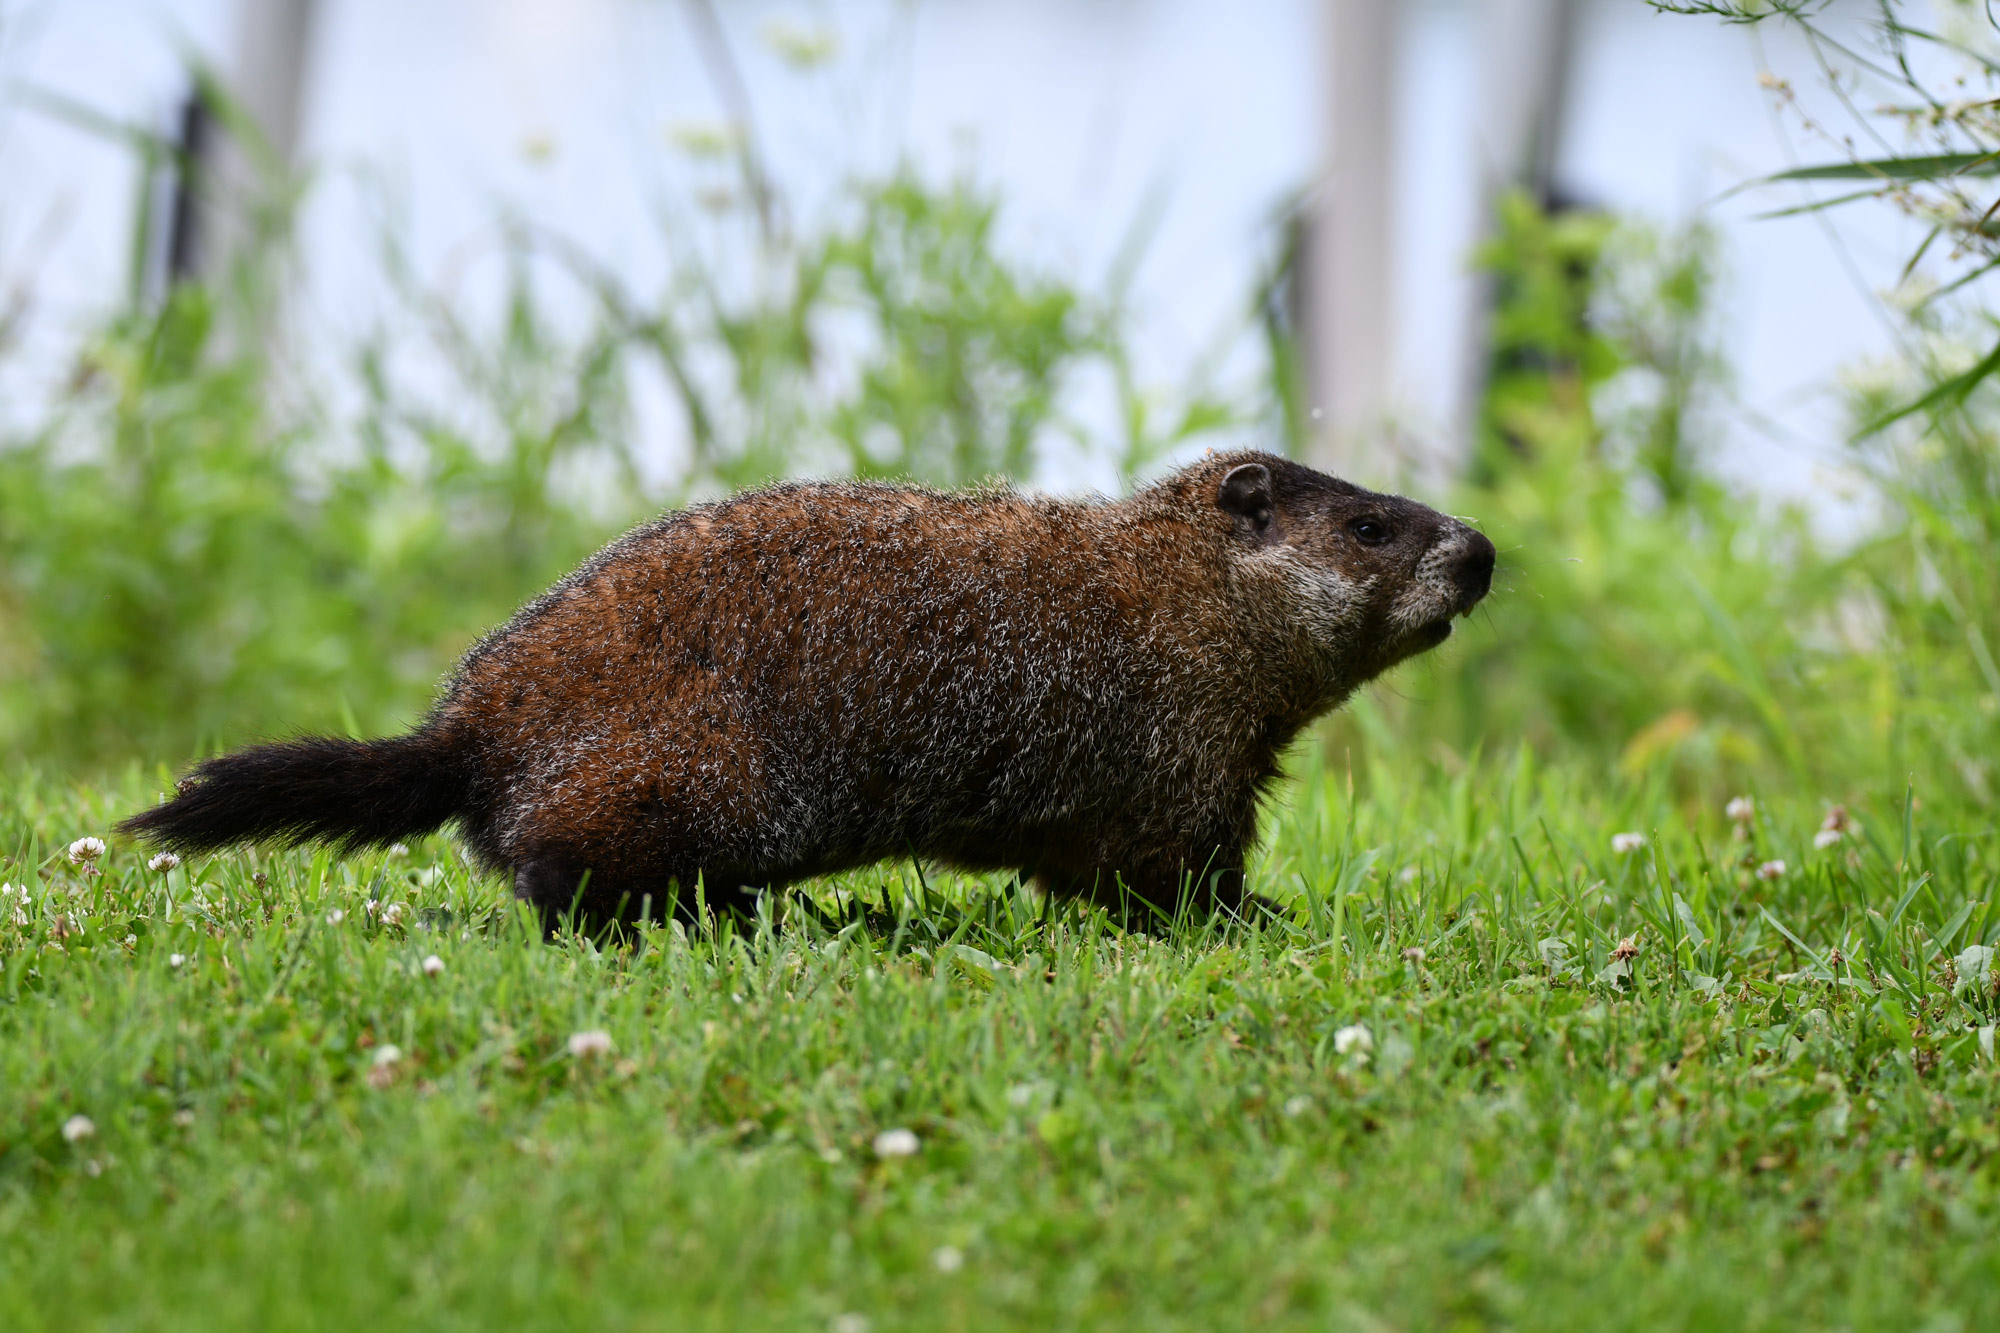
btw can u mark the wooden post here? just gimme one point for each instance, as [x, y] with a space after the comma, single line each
[1528, 48]
[1348, 337]
[223, 183]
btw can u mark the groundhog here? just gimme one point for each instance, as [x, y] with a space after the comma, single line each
[816, 677]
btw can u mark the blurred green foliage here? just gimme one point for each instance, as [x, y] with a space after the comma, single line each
[1648, 619]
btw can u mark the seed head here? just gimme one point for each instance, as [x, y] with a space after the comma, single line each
[1627, 948]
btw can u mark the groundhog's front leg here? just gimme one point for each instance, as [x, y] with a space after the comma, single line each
[1157, 888]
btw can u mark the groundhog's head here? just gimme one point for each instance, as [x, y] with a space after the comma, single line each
[1370, 579]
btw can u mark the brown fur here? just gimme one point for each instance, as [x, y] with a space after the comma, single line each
[815, 677]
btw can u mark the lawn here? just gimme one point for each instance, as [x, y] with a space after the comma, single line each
[1488, 1071]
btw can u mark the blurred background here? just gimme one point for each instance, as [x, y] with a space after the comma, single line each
[332, 329]
[1161, 145]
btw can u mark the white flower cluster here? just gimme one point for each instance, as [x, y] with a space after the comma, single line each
[897, 1143]
[1834, 827]
[84, 851]
[1624, 843]
[583, 1045]
[162, 862]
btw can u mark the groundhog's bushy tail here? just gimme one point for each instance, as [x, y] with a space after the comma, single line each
[353, 794]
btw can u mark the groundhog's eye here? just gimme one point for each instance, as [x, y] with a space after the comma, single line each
[1369, 531]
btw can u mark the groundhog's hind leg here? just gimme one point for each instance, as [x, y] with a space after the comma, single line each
[561, 888]
[554, 886]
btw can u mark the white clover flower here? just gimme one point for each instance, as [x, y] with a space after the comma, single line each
[1354, 1040]
[85, 850]
[947, 1258]
[162, 862]
[1741, 810]
[78, 1127]
[1621, 843]
[385, 1056]
[849, 1323]
[392, 915]
[897, 1143]
[595, 1041]
[433, 965]
[176, 959]
[399, 849]
[370, 906]
[1298, 1106]
[1826, 838]
[1771, 870]
[335, 917]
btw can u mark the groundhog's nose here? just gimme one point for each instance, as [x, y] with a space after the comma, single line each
[1474, 572]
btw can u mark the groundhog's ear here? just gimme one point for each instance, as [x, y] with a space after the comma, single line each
[1246, 491]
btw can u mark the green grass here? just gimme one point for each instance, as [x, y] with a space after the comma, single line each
[1115, 1131]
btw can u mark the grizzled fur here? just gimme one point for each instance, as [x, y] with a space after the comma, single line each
[812, 678]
